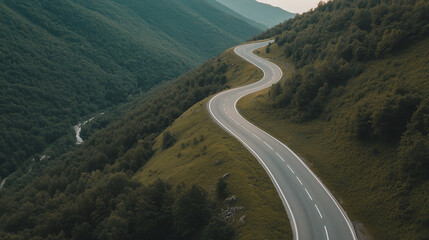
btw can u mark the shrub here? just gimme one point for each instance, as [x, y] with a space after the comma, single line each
[167, 140]
[218, 229]
[221, 189]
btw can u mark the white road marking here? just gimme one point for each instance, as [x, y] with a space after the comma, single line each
[289, 209]
[224, 109]
[308, 194]
[244, 128]
[235, 121]
[299, 180]
[327, 235]
[346, 218]
[280, 157]
[256, 136]
[290, 169]
[318, 211]
[268, 145]
[246, 56]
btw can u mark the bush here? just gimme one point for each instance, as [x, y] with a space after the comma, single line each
[221, 189]
[217, 229]
[167, 140]
[389, 41]
[414, 156]
[191, 212]
[389, 121]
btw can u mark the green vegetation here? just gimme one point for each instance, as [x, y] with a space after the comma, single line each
[261, 13]
[204, 152]
[221, 189]
[355, 106]
[90, 193]
[61, 61]
[100, 191]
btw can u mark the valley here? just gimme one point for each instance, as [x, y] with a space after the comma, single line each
[349, 102]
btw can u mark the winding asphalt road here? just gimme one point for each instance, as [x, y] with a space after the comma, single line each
[313, 211]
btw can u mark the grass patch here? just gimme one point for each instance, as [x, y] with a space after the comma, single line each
[203, 152]
[361, 174]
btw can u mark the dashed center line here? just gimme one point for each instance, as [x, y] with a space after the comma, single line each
[235, 121]
[308, 194]
[273, 79]
[280, 157]
[318, 211]
[268, 145]
[299, 180]
[290, 169]
[326, 231]
[256, 136]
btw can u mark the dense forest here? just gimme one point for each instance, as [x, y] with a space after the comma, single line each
[90, 193]
[339, 41]
[63, 60]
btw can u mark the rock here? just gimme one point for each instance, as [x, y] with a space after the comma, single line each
[230, 212]
[241, 220]
[217, 163]
[225, 175]
[231, 200]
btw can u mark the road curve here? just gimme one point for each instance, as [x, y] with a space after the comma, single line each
[313, 211]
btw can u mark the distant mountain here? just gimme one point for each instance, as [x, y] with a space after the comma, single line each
[231, 12]
[61, 60]
[262, 13]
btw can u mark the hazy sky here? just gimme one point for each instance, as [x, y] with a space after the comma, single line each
[294, 6]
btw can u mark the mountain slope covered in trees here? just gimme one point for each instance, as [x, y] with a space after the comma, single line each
[90, 193]
[61, 60]
[360, 92]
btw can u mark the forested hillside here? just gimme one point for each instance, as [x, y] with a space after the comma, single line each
[90, 194]
[361, 85]
[62, 60]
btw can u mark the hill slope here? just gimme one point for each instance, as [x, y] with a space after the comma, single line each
[356, 107]
[61, 61]
[259, 12]
[93, 192]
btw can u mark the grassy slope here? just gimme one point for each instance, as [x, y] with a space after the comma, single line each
[201, 143]
[361, 175]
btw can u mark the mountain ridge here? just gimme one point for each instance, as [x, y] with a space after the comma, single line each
[262, 13]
